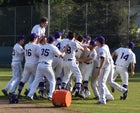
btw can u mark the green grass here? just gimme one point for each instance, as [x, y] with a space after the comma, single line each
[130, 105]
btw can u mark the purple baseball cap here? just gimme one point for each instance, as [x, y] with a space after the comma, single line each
[51, 39]
[101, 39]
[34, 35]
[93, 43]
[20, 37]
[131, 44]
[57, 34]
[88, 37]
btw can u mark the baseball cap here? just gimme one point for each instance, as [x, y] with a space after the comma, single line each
[88, 37]
[131, 44]
[57, 34]
[50, 39]
[93, 43]
[20, 37]
[101, 39]
[34, 35]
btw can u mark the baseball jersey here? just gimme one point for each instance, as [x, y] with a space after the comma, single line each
[38, 30]
[105, 53]
[125, 56]
[58, 44]
[47, 53]
[31, 53]
[71, 50]
[17, 53]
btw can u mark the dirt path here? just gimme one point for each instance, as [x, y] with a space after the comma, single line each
[30, 108]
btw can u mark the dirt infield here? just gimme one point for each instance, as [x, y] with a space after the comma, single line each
[5, 107]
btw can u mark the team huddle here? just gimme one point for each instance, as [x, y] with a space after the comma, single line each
[68, 64]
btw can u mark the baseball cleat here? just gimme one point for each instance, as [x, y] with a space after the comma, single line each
[125, 95]
[112, 90]
[4, 92]
[30, 98]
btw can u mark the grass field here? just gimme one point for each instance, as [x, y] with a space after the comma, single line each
[130, 105]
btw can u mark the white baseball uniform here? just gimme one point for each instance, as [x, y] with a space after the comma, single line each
[17, 57]
[31, 61]
[125, 56]
[70, 65]
[38, 30]
[102, 78]
[44, 68]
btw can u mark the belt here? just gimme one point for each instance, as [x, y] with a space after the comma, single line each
[69, 59]
[88, 62]
[43, 62]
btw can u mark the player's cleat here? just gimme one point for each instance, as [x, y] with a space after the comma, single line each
[125, 95]
[49, 98]
[82, 94]
[77, 94]
[30, 98]
[112, 90]
[4, 92]
[13, 99]
[43, 97]
[87, 93]
[121, 97]
[26, 92]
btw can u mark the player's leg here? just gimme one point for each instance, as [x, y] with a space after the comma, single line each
[94, 83]
[17, 74]
[76, 71]
[51, 78]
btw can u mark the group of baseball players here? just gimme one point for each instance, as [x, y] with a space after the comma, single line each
[68, 64]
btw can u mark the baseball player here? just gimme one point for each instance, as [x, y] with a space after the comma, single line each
[94, 76]
[40, 28]
[57, 61]
[125, 57]
[17, 57]
[44, 68]
[86, 67]
[31, 61]
[103, 70]
[70, 63]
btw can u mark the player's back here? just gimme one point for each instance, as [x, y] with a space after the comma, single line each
[47, 53]
[17, 53]
[71, 50]
[124, 57]
[31, 53]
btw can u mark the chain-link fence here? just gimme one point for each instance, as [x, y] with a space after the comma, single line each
[107, 18]
[19, 20]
